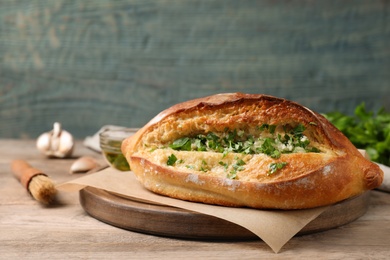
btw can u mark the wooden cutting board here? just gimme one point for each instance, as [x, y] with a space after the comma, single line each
[169, 221]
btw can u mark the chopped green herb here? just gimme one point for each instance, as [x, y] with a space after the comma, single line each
[236, 167]
[276, 154]
[204, 167]
[232, 174]
[171, 160]
[263, 127]
[272, 128]
[274, 167]
[313, 150]
[225, 165]
[200, 146]
[181, 144]
[240, 162]
[271, 144]
[298, 130]
[267, 147]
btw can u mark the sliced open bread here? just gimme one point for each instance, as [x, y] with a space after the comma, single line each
[248, 150]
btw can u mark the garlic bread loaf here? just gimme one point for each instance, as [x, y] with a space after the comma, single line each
[248, 150]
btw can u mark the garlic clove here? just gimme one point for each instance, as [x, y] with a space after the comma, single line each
[56, 143]
[83, 165]
[65, 145]
[43, 142]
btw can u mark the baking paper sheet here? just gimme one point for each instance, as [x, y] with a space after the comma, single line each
[274, 227]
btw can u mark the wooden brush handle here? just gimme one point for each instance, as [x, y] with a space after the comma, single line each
[24, 172]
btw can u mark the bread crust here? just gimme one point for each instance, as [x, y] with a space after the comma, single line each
[309, 180]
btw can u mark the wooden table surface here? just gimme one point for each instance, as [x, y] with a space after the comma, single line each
[29, 230]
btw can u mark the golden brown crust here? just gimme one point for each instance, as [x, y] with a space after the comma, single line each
[309, 179]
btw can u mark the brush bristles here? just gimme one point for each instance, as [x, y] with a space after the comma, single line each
[42, 189]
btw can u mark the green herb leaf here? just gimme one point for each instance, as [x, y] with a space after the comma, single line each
[274, 167]
[225, 165]
[366, 130]
[171, 160]
[276, 154]
[272, 129]
[204, 167]
[181, 144]
[298, 130]
[232, 174]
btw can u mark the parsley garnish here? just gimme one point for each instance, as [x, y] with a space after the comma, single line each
[204, 167]
[274, 167]
[237, 142]
[225, 165]
[181, 144]
[369, 130]
[236, 167]
[269, 142]
[232, 174]
[171, 160]
[298, 130]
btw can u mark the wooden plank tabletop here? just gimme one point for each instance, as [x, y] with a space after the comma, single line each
[29, 230]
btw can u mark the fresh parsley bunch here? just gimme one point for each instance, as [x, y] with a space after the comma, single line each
[366, 130]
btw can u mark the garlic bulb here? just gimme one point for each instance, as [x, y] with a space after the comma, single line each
[56, 143]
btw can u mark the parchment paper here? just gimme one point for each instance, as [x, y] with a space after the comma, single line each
[274, 227]
[385, 186]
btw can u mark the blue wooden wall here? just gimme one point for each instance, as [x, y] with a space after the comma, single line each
[93, 62]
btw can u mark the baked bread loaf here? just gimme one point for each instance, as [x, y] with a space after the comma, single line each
[248, 150]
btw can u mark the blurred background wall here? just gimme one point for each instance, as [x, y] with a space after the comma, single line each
[94, 62]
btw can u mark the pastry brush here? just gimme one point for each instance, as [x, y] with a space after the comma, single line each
[38, 184]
